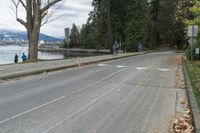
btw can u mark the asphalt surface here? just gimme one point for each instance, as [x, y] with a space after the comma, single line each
[131, 95]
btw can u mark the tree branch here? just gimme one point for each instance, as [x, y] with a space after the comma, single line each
[51, 20]
[49, 5]
[43, 15]
[47, 16]
[29, 15]
[22, 22]
[16, 4]
[23, 4]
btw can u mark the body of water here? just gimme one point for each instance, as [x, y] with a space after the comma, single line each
[7, 54]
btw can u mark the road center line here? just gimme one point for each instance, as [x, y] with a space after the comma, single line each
[60, 98]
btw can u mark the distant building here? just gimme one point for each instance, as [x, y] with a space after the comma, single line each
[67, 35]
[41, 42]
[67, 32]
[1, 36]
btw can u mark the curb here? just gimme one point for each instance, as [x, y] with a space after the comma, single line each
[50, 69]
[192, 101]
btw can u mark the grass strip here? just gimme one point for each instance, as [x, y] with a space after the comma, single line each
[193, 70]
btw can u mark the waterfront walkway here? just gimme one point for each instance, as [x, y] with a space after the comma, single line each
[25, 69]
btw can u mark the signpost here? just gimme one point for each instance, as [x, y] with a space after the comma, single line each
[67, 36]
[197, 51]
[192, 33]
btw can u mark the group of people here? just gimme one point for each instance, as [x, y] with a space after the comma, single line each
[116, 47]
[24, 58]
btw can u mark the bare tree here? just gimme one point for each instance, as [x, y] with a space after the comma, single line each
[38, 12]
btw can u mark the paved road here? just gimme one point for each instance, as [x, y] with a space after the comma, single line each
[132, 95]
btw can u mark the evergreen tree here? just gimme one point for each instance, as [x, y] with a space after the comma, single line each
[129, 23]
[154, 11]
[182, 13]
[165, 23]
[74, 37]
[88, 37]
[159, 22]
[137, 24]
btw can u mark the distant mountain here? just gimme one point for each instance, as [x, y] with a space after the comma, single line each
[22, 35]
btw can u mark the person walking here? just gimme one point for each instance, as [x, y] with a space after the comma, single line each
[115, 48]
[16, 58]
[24, 57]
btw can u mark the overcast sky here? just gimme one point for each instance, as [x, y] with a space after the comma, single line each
[73, 11]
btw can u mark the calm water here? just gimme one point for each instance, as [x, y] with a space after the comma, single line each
[7, 54]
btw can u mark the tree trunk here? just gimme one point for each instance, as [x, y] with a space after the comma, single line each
[109, 39]
[33, 47]
[154, 36]
[33, 30]
[35, 13]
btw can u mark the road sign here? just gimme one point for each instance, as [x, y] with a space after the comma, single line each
[197, 50]
[192, 31]
[191, 41]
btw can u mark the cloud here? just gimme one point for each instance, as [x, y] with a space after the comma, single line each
[72, 11]
[76, 8]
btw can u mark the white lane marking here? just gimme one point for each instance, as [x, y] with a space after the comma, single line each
[102, 65]
[60, 98]
[121, 66]
[87, 105]
[118, 66]
[164, 70]
[141, 68]
[28, 111]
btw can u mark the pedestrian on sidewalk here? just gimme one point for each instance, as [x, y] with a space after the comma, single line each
[16, 58]
[140, 47]
[24, 57]
[115, 48]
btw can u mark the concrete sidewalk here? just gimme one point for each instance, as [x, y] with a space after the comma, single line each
[19, 70]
